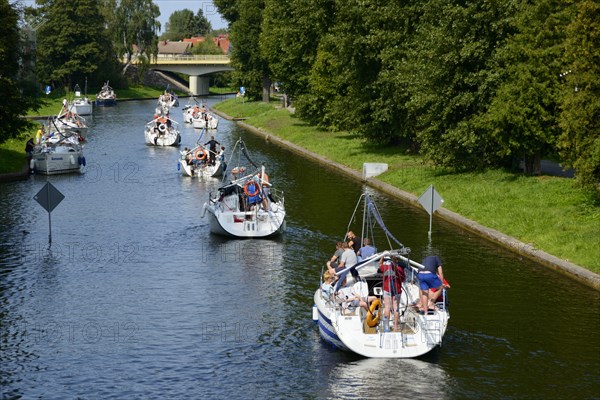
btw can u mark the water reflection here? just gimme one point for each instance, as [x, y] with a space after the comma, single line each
[388, 379]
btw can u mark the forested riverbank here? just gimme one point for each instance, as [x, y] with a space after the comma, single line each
[548, 213]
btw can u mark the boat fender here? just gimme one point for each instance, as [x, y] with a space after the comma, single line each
[179, 139]
[178, 166]
[83, 160]
[156, 140]
[247, 189]
[200, 154]
[372, 319]
[203, 210]
[315, 313]
[162, 128]
[32, 164]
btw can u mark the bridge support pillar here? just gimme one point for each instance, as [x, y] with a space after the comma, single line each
[199, 85]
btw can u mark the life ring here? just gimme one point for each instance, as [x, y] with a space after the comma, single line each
[372, 319]
[197, 154]
[162, 128]
[247, 189]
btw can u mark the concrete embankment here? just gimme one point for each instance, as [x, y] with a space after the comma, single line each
[567, 268]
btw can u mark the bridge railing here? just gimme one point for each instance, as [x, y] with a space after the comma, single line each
[201, 58]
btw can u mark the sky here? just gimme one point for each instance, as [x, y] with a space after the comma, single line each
[167, 7]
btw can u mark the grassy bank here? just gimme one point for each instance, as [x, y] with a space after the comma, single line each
[550, 213]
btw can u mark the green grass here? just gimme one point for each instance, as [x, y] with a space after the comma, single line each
[221, 90]
[550, 213]
[12, 153]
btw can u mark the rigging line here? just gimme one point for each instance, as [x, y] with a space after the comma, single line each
[353, 215]
[377, 216]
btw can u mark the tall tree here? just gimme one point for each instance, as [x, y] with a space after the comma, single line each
[522, 119]
[201, 25]
[133, 23]
[450, 78]
[251, 69]
[73, 44]
[184, 24]
[15, 99]
[579, 142]
[290, 36]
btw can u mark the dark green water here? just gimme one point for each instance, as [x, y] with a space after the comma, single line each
[136, 299]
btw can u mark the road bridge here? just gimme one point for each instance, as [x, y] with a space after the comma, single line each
[196, 66]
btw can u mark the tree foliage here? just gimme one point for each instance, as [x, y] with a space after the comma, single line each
[207, 46]
[184, 24]
[579, 142]
[16, 95]
[132, 23]
[72, 42]
[251, 69]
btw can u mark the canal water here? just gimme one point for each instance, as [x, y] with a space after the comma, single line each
[136, 299]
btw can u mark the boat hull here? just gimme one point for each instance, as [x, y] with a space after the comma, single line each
[82, 108]
[346, 330]
[200, 123]
[170, 137]
[259, 224]
[105, 102]
[58, 161]
[208, 171]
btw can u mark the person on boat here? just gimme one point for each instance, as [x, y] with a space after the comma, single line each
[348, 258]
[353, 241]
[39, 134]
[212, 146]
[430, 277]
[350, 297]
[221, 154]
[327, 286]
[334, 261]
[366, 250]
[263, 179]
[393, 276]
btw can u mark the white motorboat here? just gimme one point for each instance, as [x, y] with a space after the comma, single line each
[197, 161]
[248, 206]
[365, 331]
[57, 154]
[80, 105]
[106, 97]
[162, 131]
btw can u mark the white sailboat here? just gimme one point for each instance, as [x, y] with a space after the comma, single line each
[344, 324]
[248, 206]
[199, 161]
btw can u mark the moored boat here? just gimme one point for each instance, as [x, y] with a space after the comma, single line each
[67, 121]
[80, 105]
[56, 153]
